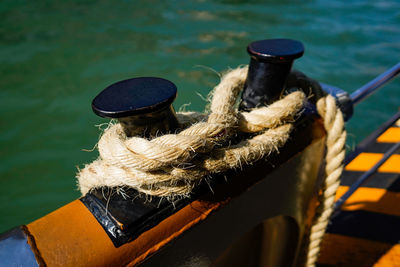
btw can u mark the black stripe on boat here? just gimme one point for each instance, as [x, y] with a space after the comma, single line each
[367, 225]
[388, 181]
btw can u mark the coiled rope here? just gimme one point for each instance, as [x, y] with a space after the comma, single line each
[172, 164]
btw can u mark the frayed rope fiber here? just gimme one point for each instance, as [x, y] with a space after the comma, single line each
[171, 165]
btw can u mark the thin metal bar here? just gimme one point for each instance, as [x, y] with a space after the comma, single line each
[367, 89]
[365, 176]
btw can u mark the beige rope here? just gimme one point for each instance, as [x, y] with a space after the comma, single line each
[173, 164]
[335, 143]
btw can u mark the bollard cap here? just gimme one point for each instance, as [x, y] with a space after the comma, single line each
[276, 50]
[133, 97]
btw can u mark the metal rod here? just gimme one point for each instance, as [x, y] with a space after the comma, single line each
[365, 176]
[367, 89]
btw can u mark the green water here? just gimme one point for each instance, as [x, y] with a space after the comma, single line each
[56, 56]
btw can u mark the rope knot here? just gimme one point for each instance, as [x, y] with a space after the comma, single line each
[172, 164]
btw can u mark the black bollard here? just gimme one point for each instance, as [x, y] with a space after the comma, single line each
[142, 105]
[270, 64]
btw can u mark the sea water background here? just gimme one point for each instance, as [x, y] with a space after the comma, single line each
[55, 56]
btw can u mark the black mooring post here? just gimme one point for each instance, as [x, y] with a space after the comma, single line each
[270, 64]
[142, 105]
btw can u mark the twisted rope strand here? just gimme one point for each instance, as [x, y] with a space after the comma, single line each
[335, 142]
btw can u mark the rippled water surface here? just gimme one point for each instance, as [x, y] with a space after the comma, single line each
[56, 56]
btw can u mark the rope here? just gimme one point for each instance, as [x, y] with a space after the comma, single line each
[335, 143]
[172, 164]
